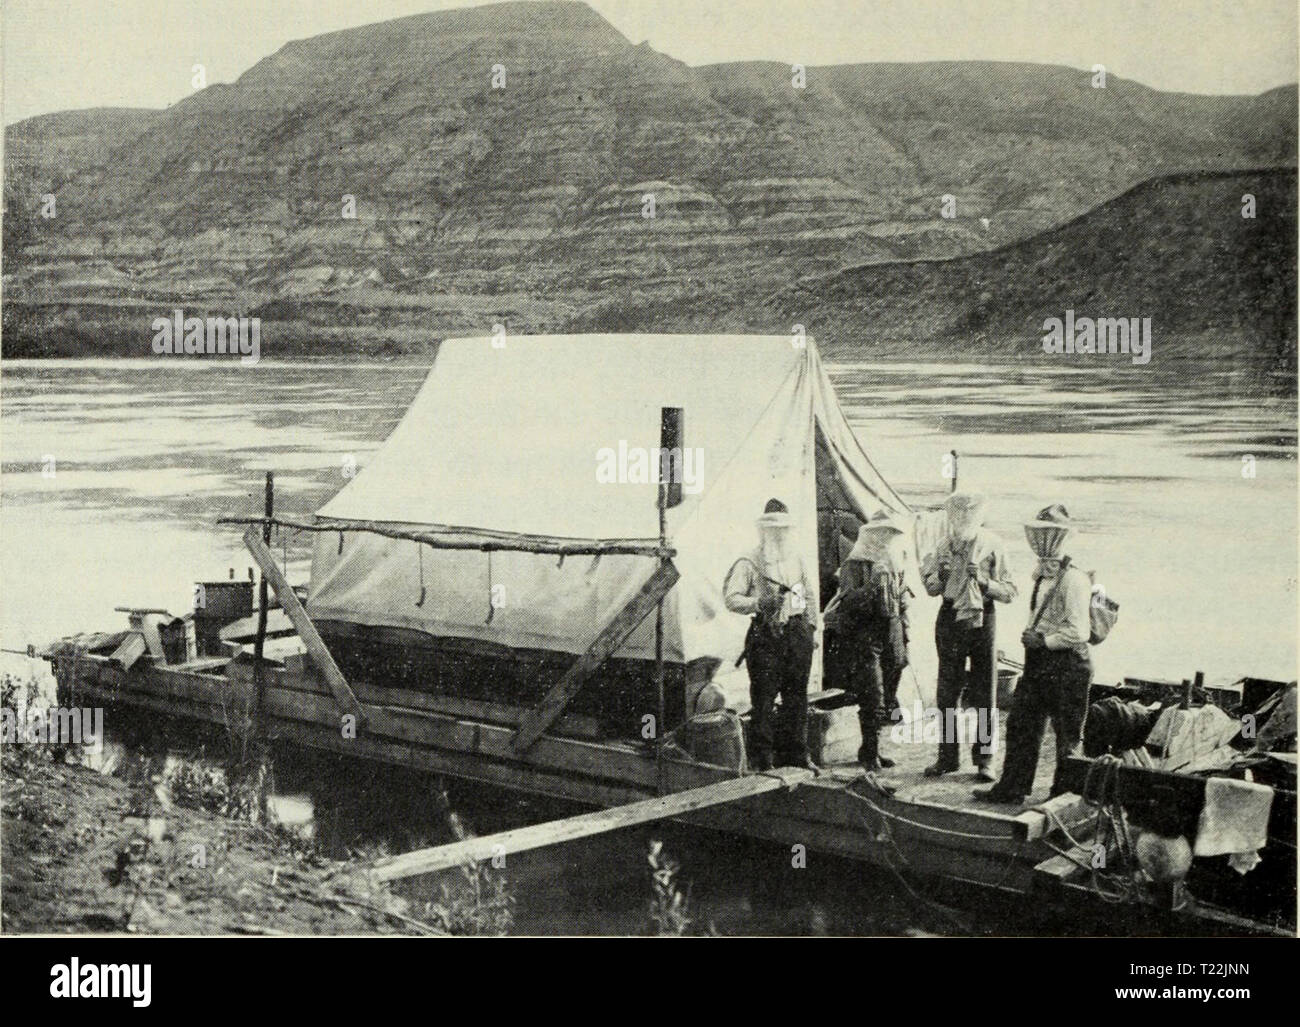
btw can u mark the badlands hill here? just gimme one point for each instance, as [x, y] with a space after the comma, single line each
[525, 204]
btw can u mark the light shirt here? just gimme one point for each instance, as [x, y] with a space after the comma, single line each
[746, 584]
[1066, 622]
[986, 551]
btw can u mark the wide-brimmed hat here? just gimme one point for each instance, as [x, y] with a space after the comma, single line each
[883, 521]
[775, 515]
[1048, 530]
[875, 538]
[1054, 516]
[969, 503]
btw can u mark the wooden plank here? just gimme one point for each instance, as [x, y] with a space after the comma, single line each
[200, 688]
[1138, 785]
[574, 724]
[190, 709]
[782, 820]
[1068, 808]
[320, 655]
[133, 647]
[525, 779]
[441, 857]
[482, 539]
[908, 822]
[470, 740]
[607, 642]
[1066, 867]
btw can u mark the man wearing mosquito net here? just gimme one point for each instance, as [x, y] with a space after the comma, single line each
[1058, 667]
[772, 586]
[969, 570]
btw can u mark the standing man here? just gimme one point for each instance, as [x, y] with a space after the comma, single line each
[1058, 667]
[772, 586]
[969, 569]
[870, 616]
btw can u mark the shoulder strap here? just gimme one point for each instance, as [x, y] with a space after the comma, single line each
[1060, 579]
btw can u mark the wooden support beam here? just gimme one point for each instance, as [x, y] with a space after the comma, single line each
[611, 638]
[481, 539]
[499, 714]
[320, 655]
[663, 807]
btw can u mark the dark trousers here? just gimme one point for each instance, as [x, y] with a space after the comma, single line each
[778, 661]
[873, 667]
[956, 644]
[1054, 686]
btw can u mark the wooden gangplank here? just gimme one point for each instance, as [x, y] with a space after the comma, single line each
[536, 836]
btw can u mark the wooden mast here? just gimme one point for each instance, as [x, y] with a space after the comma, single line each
[669, 494]
[660, 715]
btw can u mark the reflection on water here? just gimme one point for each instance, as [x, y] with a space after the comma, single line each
[115, 471]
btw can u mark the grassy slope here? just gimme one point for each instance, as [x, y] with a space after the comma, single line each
[76, 862]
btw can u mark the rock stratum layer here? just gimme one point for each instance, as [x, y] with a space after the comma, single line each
[525, 205]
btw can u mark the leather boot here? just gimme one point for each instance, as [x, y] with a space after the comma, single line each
[884, 760]
[869, 753]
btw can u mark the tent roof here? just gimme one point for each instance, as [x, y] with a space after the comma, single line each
[508, 438]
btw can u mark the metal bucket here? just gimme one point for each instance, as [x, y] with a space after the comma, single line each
[1008, 678]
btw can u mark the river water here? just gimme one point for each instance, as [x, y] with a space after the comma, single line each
[1183, 484]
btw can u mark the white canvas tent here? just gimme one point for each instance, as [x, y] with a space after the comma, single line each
[506, 440]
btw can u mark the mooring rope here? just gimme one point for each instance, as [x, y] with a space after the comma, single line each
[888, 836]
[1101, 792]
